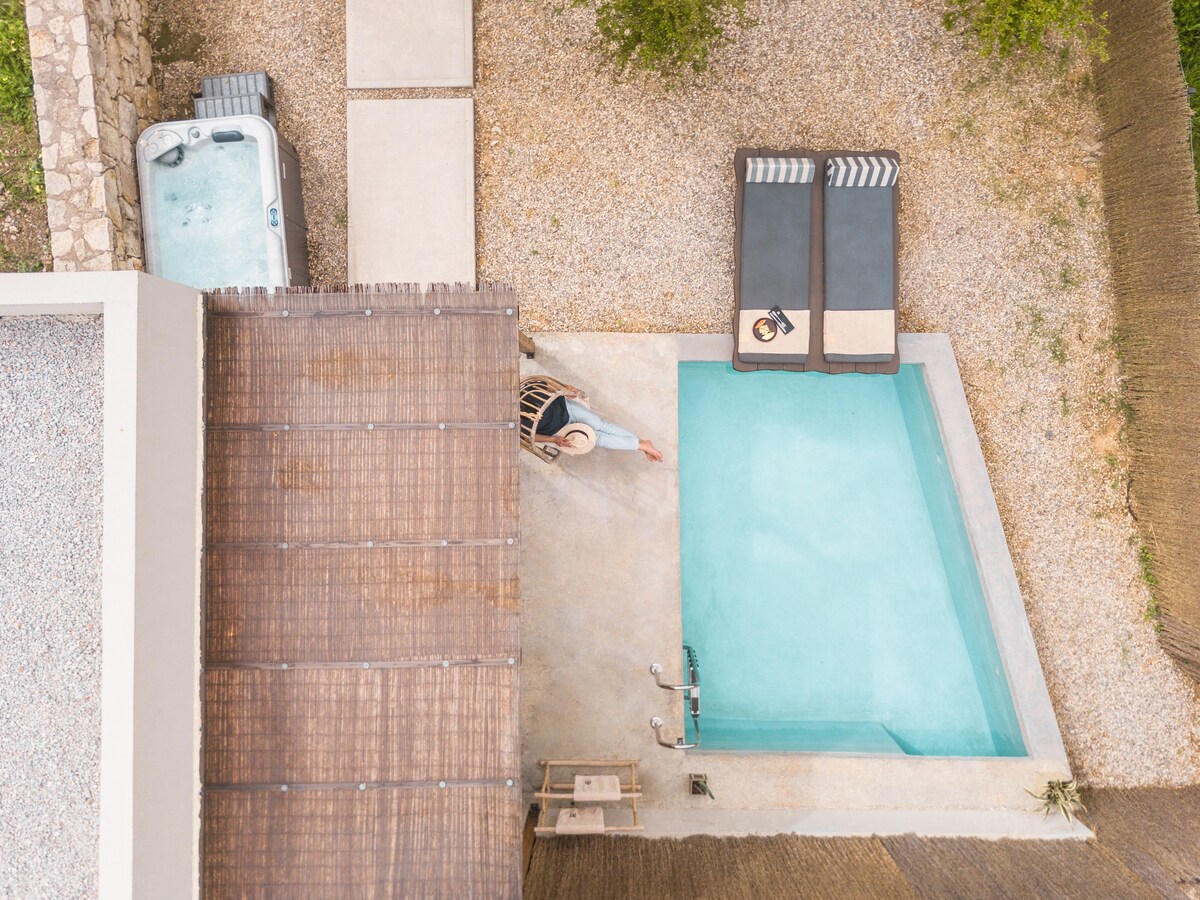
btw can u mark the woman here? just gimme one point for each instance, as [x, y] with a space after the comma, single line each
[567, 410]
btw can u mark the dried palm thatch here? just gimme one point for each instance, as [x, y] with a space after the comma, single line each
[971, 867]
[601, 868]
[1154, 234]
[1156, 831]
[1147, 844]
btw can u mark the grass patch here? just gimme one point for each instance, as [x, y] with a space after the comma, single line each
[1057, 348]
[1034, 325]
[1152, 612]
[1125, 410]
[964, 127]
[1115, 342]
[16, 74]
[23, 196]
[1146, 561]
[1034, 319]
[1187, 24]
[1059, 221]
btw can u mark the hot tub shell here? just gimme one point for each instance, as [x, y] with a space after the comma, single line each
[279, 168]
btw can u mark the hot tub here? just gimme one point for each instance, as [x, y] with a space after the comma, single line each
[221, 204]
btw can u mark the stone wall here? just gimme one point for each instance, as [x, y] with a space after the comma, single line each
[94, 93]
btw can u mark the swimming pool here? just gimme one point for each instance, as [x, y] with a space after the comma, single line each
[829, 586]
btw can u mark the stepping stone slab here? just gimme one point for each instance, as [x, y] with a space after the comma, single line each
[411, 187]
[409, 43]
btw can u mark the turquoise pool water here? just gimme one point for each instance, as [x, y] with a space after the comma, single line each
[829, 587]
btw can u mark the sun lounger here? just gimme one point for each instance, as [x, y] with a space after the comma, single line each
[861, 244]
[772, 255]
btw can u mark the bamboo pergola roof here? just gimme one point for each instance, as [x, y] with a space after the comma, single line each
[361, 637]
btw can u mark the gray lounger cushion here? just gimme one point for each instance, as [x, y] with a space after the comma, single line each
[776, 242]
[860, 259]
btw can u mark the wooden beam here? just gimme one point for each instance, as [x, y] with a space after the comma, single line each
[525, 342]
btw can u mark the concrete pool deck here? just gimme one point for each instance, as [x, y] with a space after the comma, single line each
[601, 602]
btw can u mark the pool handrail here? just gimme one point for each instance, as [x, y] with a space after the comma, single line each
[690, 690]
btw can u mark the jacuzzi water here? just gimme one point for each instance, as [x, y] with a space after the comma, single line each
[209, 206]
[829, 586]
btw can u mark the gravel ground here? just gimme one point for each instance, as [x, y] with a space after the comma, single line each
[51, 400]
[609, 206]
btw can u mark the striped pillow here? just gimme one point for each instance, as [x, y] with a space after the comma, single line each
[787, 169]
[861, 171]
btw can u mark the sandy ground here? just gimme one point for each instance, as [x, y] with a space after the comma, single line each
[608, 204]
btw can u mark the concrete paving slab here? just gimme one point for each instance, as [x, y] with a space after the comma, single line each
[411, 187]
[409, 43]
[600, 592]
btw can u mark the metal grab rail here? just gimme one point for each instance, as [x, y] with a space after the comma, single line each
[690, 691]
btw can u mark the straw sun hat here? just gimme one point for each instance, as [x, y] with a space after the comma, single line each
[582, 438]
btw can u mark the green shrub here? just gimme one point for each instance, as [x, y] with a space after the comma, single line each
[669, 37]
[16, 76]
[1006, 27]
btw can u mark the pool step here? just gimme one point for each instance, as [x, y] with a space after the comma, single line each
[811, 736]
